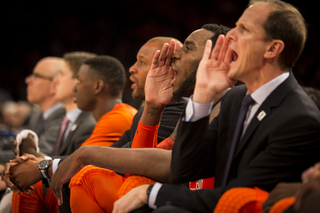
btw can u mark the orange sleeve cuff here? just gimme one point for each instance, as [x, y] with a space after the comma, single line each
[145, 137]
[166, 144]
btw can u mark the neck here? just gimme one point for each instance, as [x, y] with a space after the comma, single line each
[45, 105]
[104, 106]
[258, 79]
[70, 106]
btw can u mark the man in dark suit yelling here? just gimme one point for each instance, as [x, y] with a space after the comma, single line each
[278, 136]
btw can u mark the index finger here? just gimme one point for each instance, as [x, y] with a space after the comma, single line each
[155, 60]
[170, 52]
[163, 54]
[224, 50]
[217, 47]
[207, 50]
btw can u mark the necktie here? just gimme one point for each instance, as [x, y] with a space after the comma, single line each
[64, 126]
[247, 101]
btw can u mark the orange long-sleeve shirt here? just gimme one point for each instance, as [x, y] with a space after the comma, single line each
[111, 125]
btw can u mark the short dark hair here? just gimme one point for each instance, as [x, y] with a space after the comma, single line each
[287, 24]
[217, 30]
[76, 59]
[110, 70]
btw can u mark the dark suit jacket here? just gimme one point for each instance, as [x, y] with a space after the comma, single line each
[277, 148]
[79, 132]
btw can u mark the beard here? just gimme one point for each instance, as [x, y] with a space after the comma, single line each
[187, 87]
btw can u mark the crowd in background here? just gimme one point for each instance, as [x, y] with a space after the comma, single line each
[119, 28]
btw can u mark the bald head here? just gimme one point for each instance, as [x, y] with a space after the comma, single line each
[40, 87]
[140, 69]
[52, 64]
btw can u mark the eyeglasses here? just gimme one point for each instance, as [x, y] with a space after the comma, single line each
[37, 75]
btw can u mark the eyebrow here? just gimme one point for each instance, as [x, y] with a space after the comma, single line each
[189, 42]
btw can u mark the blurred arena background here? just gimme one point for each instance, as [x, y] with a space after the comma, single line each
[35, 29]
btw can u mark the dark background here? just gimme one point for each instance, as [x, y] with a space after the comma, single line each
[32, 30]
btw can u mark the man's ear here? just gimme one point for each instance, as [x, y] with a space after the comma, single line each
[274, 49]
[99, 86]
[53, 89]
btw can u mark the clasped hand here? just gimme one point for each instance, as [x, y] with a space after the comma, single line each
[21, 173]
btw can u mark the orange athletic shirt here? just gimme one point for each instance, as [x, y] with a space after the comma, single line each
[145, 137]
[111, 126]
[108, 129]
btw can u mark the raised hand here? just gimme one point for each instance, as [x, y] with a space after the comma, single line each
[213, 70]
[158, 88]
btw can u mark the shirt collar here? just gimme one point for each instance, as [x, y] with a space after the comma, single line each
[73, 115]
[49, 111]
[265, 90]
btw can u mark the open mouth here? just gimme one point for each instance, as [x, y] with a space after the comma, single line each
[234, 56]
[175, 74]
[133, 81]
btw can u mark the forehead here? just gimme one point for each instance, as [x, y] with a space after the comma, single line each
[148, 50]
[83, 71]
[255, 15]
[43, 67]
[66, 68]
[199, 37]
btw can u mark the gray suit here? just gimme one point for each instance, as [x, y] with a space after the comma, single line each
[36, 121]
[79, 132]
[50, 131]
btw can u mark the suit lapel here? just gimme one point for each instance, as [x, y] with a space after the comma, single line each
[71, 133]
[265, 110]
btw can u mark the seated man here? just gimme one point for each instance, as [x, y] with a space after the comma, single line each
[46, 119]
[98, 90]
[138, 74]
[186, 75]
[207, 31]
[80, 124]
[269, 143]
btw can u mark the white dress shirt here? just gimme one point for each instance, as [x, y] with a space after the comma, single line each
[72, 116]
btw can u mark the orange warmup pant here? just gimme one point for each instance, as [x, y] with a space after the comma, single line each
[36, 201]
[94, 189]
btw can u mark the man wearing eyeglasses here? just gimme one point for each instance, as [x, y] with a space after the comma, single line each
[41, 91]
[47, 116]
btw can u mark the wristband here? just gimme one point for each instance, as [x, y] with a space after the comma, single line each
[149, 189]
